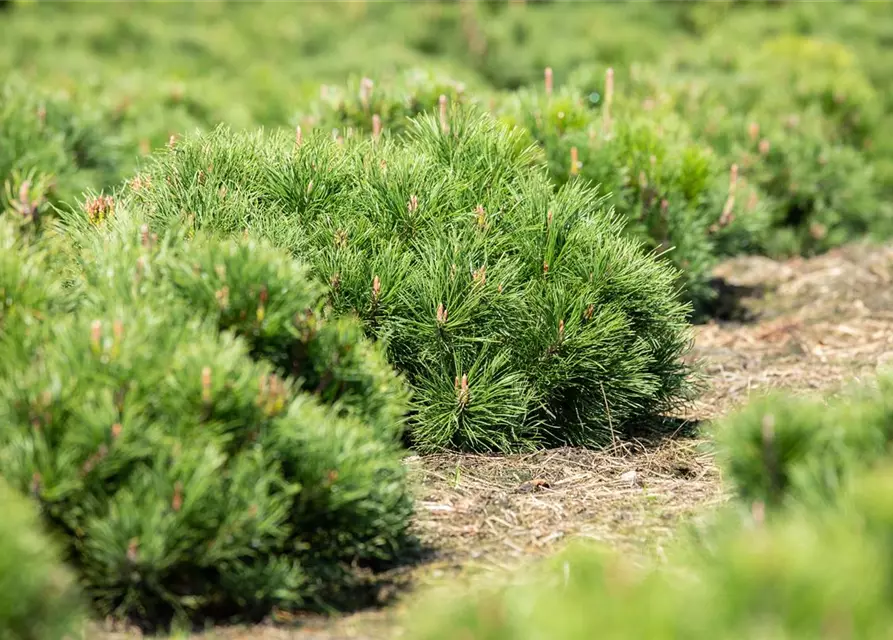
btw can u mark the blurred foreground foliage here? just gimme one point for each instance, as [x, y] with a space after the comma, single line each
[804, 550]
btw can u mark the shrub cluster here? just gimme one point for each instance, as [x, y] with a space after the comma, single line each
[517, 312]
[787, 186]
[671, 191]
[213, 430]
[38, 596]
[806, 147]
[819, 183]
[204, 438]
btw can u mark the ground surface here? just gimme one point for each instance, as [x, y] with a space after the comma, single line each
[809, 325]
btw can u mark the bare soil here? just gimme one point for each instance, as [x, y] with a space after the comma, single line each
[813, 324]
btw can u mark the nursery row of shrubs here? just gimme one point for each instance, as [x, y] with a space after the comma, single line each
[697, 169]
[691, 172]
[779, 187]
[518, 313]
[804, 550]
[215, 353]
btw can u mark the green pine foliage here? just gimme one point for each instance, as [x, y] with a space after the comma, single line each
[822, 195]
[39, 599]
[671, 191]
[29, 289]
[517, 313]
[363, 105]
[779, 450]
[247, 288]
[190, 470]
[835, 82]
[817, 193]
[51, 149]
[816, 188]
[808, 147]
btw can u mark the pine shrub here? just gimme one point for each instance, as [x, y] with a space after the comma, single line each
[367, 106]
[825, 74]
[818, 193]
[190, 471]
[779, 450]
[821, 195]
[517, 313]
[38, 596]
[252, 290]
[808, 148]
[671, 191]
[51, 150]
[795, 580]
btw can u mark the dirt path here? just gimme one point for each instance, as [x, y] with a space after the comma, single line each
[818, 323]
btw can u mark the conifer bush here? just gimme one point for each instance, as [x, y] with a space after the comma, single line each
[809, 148]
[824, 74]
[39, 599]
[817, 193]
[793, 580]
[671, 191]
[517, 313]
[821, 195]
[254, 291]
[367, 106]
[779, 450]
[189, 472]
[51, 149]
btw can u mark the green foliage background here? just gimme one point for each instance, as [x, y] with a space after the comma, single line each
[794, 94]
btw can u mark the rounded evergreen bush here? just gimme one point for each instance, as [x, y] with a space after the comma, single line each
[51, 149]
[779, 449]
[38, 596]
[251, 290]
[824, 74]
[821, 195]
[809, 148]
[672, 192]
[188, 467]
[795, 579]
[817, 193]
[519, 314]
